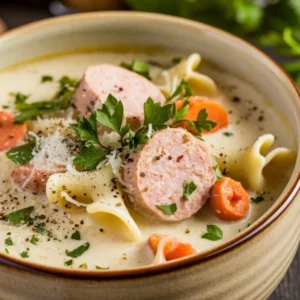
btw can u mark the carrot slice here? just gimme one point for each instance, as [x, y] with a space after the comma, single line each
[215, 111]
[229, 200]
[173, 248]
[10, 134]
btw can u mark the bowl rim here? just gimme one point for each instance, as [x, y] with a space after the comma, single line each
[266, 220]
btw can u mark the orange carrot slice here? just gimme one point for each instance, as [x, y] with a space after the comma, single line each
[10, 134]
[215, 111]
[229, 200]
[173, 248]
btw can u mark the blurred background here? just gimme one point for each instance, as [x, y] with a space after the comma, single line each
[272, 25]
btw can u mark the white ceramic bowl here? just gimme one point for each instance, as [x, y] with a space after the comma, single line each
[248, 267]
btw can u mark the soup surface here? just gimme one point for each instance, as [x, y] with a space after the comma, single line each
[66, 230]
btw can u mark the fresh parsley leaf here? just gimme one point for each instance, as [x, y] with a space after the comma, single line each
[218, 173]
[203, 123]
[22, 154]
[89, 158]
[139, 67]
[76, 235]
[111, 114]
[183, 90]
[24, 254]
[228, 134]
[257, 199]
[78, 251]
[42, 230]
[20, 98]
[83, 266]
[183, 111]
[8, 242]
[176, 60]
[168, 209]
[214, 233]
[6, 251]
[100, 268]
[21, 216]
[156, 114]
[138, 138]
[68, 263]
[46, 78]
[34, 240]
[188, 189]
[86, 129]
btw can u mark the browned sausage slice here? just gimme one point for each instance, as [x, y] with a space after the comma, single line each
[32, 179]
[131, 88]
[155, 175]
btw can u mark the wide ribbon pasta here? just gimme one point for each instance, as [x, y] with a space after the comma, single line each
[97, 192]
[186, 69]
[250, 165]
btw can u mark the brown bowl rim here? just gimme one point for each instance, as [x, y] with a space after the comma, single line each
[146, 271]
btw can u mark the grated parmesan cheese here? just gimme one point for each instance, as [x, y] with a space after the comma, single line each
[115, 162]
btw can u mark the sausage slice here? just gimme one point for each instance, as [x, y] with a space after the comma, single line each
[155, 175]
[131, 88]
[32, 179]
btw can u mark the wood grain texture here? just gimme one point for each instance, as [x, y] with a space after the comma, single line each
[15, 13]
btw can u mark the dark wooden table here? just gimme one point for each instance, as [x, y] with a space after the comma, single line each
[16, 13]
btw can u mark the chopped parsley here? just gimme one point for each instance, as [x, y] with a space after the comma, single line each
[8, 242]
[68, 263]
[46, 78]
[100, 268]
[21, 216]
[5, 106]
[34, 240]
[6, 251]
[24, 254]
[214, 233]
[228, 134]
[183, 90]
[76, 236]
[257, 199]
[188, 189]
[218, 172]
[168, 209]
[78, 251]
[42, 230]
[176, 60]
[138, 67]
[61, 100]
[22, 154]
[83, 266]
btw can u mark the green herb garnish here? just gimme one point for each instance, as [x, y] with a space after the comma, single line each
[34, 240]
[78, 251]
[183, 90]
[137, 66]
[228, 134]
[21, 216]
[24, 254]
[100, 268]
[83, 266]
[176, 60]
[46, 78]
[68, 263]
[214, 233]
[188, 189]
[8, 242]
[218, 172]
[168, 209]
[42, 230]
[76, 236]
[22, 154]
[257, 199]
[5, 106]
[6, 251]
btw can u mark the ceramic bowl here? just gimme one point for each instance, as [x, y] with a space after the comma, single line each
[249, 266]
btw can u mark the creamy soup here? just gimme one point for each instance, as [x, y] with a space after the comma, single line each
[87, 201]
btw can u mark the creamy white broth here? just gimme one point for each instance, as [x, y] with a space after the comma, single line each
[250, 114]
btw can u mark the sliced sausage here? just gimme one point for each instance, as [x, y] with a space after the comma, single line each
[32, 179]
[131, 88]
[155, 175]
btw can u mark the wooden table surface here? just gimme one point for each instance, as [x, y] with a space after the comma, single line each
[18, 13]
